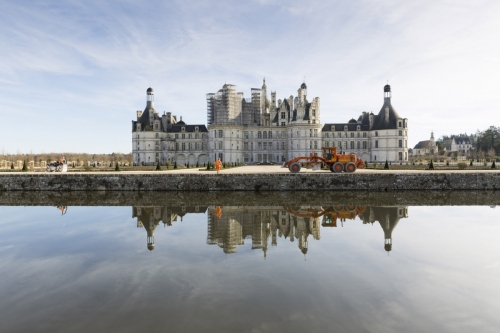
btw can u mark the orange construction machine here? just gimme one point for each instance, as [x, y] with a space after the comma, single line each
[335, 162]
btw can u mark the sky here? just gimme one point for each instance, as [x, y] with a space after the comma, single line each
[74, 73]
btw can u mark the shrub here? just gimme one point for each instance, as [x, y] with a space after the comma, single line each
[462, 166]
[168, 164]
[25, 167]
[493, 166]
[470, 163]
[187, 165]
[386, 166]
[117, 167]
[12, 166]
[197, 164]
[431, 166]
[175, 165]
[208, 165]
[158, 167]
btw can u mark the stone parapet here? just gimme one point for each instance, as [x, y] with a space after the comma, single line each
[378, 182]
[238, 199]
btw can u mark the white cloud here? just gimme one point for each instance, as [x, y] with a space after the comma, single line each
[90, 62]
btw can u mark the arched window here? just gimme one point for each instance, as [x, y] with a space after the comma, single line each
[265, 135]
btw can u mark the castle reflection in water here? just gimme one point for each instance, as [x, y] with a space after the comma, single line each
[229, 226]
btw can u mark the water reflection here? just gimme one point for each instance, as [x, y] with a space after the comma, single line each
[229, 226]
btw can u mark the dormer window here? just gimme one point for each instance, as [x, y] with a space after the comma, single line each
[183, 129]
[196, 129]
[399, 124]
[345, 127]
[376, 133]
[333, 128]
[358, 128]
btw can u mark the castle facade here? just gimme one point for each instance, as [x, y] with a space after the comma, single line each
[264, 130]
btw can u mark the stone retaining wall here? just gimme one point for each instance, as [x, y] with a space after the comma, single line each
[226, 198]
[250, 182]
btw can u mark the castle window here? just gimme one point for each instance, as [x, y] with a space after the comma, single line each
[221, 133]
[376, 133]
[364, 134]
[270, 135]
[364, 144]
[283, 146]
[283, 115]
[400, 133]
[332, 128]
[283, 124]
[352, 134]
[345, 127]
[157, 135]
[352, 144]
[358, 128]
[190, 136]
[183, 146]
[399, 124]
[315, 144]
[196, 129]
[358, 145]
[220, 144]
[265, 135]
[259, 135]
[196, 136]
[314, 113]
[310, 132]
[359, 135]
[400, 143]
[183, 135]
[376, 143]
[183, 129]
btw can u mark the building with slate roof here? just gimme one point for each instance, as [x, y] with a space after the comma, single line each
[427, 147]
[265, 130]
[461, 144]
[379, 137]
[259, 129]
[162, 138]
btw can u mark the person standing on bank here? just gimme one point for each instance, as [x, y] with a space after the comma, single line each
[218, 164]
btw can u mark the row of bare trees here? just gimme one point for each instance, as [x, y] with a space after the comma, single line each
[77, 158]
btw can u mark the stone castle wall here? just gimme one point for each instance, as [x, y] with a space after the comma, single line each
[250, 182]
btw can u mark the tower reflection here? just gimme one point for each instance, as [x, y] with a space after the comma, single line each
[230, 226]
[149, 217]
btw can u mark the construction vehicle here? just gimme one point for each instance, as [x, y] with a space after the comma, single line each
[335, 162]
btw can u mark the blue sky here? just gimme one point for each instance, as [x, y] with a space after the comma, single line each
[73, 73]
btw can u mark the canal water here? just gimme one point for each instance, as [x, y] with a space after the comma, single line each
[250, 265]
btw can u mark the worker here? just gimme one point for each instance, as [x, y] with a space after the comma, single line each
[218, 164]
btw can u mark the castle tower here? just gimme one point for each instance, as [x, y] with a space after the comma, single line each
[150, 97]
[387, 91]
[264, 102]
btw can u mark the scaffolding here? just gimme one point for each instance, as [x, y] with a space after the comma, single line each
[210, 108]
